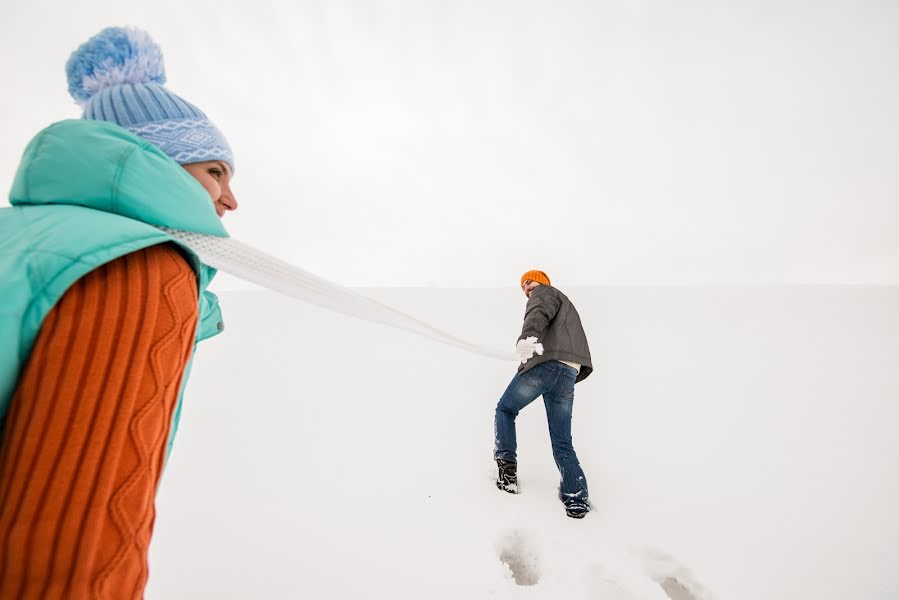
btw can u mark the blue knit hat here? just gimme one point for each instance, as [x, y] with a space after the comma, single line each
[118, 76]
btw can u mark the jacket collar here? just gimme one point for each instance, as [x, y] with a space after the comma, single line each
[100, 165]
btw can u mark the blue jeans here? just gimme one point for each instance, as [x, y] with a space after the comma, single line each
[555, 382]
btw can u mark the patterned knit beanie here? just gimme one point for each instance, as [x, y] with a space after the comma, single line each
[118, 76]
[538, 276]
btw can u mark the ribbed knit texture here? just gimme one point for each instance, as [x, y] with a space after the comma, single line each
[538, 276]
[135, 104]
[85, 436]
[164, 119]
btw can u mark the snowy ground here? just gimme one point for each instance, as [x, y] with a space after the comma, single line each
[740, 443]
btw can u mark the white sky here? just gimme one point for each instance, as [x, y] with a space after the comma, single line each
[461, 143]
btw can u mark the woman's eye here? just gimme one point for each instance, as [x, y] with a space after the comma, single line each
[217, 173]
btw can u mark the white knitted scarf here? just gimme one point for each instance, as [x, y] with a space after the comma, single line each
[239, 259]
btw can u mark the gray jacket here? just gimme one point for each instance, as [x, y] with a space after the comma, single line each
[552, 319]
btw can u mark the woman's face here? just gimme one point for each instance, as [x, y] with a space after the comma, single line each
[215, 177]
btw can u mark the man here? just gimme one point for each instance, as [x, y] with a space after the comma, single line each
[552, 329]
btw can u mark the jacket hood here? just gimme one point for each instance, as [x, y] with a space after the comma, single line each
[100, 165]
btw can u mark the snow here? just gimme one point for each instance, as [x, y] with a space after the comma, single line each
[740, 443]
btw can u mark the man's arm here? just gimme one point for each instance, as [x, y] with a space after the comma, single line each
[542, 307]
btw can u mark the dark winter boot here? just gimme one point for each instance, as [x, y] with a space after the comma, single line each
[576, 510]
[507, 479]
[576, 504]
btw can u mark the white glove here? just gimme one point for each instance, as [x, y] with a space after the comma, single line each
[526, 348]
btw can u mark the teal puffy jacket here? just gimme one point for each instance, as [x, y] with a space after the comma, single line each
[86, 193]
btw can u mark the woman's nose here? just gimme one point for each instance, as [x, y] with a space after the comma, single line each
[228, 200]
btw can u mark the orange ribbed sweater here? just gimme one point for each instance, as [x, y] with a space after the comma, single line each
[85, 436]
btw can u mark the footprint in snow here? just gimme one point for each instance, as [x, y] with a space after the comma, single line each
[677, 581]
[517, 551]
[655, 575]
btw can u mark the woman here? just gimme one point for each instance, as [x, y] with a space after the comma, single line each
[100, 311]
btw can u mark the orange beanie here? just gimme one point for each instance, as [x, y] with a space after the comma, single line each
[538, 276]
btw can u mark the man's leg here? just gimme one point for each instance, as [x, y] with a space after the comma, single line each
[524, 389]
[559, 403]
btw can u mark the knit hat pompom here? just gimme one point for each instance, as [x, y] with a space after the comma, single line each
[115, 56]
[118, 76]
[538, 276]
